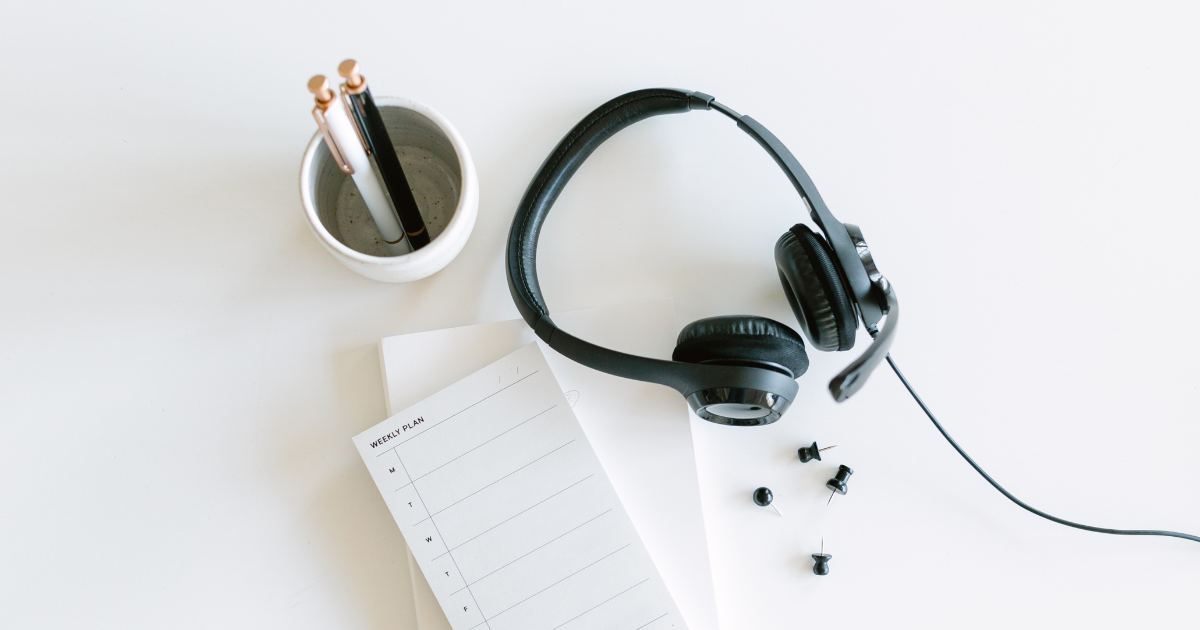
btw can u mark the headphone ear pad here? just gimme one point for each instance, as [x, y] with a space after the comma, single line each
[743, 340]
[814, 289]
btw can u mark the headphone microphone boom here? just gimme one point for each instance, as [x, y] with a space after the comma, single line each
[737, 370]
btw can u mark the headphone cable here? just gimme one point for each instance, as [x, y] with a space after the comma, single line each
[1102, 530]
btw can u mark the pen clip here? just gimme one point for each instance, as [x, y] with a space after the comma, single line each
[335, 150]
[354, 115]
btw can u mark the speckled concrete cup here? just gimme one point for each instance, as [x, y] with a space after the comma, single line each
[443, 180]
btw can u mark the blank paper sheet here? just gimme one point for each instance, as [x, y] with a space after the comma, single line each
[508, 511]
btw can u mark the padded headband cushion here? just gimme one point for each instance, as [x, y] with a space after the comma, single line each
[742, 339]
[814, 289]
[557, 170]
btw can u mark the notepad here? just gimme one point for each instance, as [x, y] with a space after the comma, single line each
[508, 511]
[640, 431]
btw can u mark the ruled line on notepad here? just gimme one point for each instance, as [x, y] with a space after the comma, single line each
[547, 588]
[439, 422]
[599, 605]
[490, 484]
[650, 622]
[480, 579]
[514, 516]
[468, 452]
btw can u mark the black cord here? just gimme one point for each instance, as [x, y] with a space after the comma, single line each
[1102, 530]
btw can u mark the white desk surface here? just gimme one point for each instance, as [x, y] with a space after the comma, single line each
[182, 365]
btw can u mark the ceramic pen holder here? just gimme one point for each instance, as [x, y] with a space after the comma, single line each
[441, 174]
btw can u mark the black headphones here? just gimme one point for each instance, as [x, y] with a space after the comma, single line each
[739, 369]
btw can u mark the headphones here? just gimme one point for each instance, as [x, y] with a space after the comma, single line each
[736, 369]
[740, 369]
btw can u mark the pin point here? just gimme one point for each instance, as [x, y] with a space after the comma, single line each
[809, 453]
[838, 483]
[763, 498]
[821, 561]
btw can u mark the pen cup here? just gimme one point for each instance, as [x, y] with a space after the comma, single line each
[443, 180]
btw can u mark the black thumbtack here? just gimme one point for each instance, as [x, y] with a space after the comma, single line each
[838, 483]
[809, 453]
[821, 561]
[763, 498]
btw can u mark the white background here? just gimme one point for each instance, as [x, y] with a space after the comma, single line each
[182, 365]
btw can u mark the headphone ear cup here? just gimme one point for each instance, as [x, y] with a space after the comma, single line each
[743, 340]
[814, 289]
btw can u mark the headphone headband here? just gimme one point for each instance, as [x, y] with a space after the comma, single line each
[690, 379]
[556, 171]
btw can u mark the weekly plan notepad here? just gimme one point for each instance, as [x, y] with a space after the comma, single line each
[640, 431]
[507, 510]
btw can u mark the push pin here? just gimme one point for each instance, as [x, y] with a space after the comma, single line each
[821, 561]
[763, 498]
[838, 483]
[809, 453]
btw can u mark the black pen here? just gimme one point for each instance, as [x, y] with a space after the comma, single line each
[380, 145]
